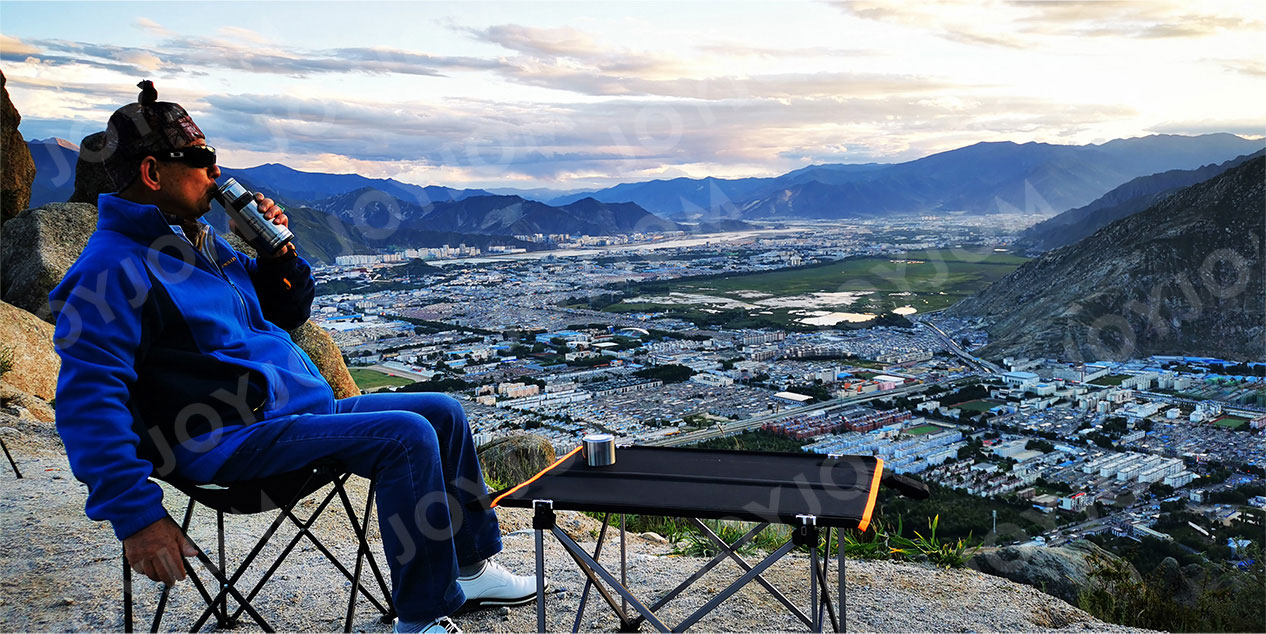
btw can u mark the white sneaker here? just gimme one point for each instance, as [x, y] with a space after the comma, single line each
[494, 586]
[442, 625]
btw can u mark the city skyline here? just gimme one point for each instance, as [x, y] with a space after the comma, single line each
[572, 96]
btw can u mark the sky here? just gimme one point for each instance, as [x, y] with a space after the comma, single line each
[577, 95]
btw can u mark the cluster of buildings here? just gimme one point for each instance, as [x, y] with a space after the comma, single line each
[444, 252]
[1143, 468]
[902, 452]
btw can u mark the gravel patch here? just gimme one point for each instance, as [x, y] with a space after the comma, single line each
[62, 572]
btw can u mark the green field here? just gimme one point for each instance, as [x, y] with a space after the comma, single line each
[922, 430]
[370, 379]
[977, 406]
[924, 280]
[1233, 423]
[1111, 380]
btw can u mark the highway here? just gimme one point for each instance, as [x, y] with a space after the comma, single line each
[977, 363]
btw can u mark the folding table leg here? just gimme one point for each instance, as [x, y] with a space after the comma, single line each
[813, 588]
[594, 581]
[826, 604]
[840, 548]
[540, 580]
[589, 584]
[624, 577]
[730, 550]
[597, 568]
[736, 586]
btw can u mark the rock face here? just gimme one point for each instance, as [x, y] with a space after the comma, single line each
[515, 458]
[17, 168]
[1183, 277]
[25, 405]
[90, 174]
[35, 362]
[327, 357]
[38, 248]
[1064, 572]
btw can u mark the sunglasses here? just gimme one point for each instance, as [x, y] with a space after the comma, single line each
[193, 156]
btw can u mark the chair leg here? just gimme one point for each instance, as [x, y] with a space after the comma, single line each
[362, 548]
[222, 618]
[127, 595]
[10, 457]
[373, 562]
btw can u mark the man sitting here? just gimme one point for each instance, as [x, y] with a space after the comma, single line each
[175, 359]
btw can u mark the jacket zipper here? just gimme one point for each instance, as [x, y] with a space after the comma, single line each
[246, 311]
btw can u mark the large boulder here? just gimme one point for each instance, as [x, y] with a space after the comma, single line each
[327, 357]
[36, 250]
[515, 458]
[27, 344]
[90, 174]
[22, 405]
[17, 168]
[1064, 571]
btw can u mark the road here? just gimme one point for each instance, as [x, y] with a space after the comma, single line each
[975, 362]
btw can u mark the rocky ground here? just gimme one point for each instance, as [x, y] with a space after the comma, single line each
[62, 572]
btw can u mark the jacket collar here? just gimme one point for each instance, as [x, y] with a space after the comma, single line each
[143, 222]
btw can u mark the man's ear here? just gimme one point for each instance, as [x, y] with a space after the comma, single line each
[149, 178]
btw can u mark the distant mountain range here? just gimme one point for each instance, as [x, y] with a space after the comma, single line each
[54, 170]
[310, 186]
[1130, 198]
[1183, 276]
[980, 178]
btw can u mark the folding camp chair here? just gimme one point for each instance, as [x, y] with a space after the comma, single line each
[282, 493]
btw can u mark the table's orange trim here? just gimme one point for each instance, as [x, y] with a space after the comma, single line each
[874, 494]
[534, 478]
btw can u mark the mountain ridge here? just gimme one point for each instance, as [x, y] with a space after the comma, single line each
[1131, 197]
[1181, 277]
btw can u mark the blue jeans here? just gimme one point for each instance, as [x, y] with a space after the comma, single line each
[418, 450]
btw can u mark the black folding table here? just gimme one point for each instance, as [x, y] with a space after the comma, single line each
[804, 491]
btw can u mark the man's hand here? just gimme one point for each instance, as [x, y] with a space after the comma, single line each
[157, 551]
[271, 211]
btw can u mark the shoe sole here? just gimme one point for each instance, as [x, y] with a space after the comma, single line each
[478, 604]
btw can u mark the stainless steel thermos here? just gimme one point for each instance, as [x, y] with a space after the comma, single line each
[260, 233]
[599, 450]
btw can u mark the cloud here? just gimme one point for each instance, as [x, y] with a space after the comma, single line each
[544, 142]
[1253, 67]
[1021, 24]
[541, 42]
[150, 26]
[186, 55]
[12, 47]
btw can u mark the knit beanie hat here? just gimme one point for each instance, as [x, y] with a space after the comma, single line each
[144, 128]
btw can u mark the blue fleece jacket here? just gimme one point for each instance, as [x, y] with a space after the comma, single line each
[166, 351]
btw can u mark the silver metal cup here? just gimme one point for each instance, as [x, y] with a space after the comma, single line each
[266, 238]
[599, 450]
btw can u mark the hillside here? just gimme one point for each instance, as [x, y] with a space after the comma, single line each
[1130, 198]
[1182, 277]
